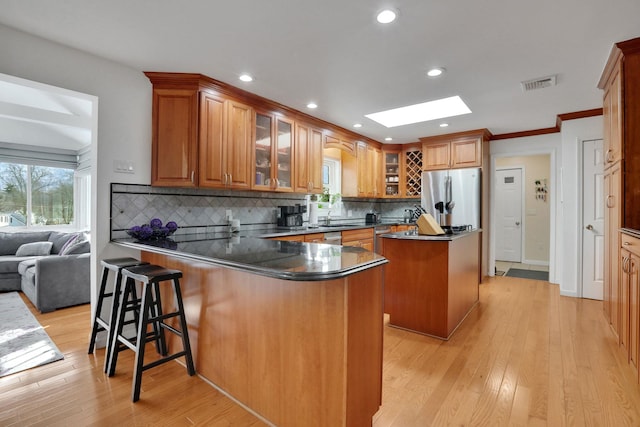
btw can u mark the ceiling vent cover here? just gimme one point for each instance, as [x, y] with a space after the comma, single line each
[539, 83]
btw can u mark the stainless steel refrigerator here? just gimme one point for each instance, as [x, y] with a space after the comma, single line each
[455, 191]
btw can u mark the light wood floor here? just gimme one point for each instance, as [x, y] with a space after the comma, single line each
[524, 356]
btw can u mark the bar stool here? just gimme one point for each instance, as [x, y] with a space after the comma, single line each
[99, 323]
[150, 309]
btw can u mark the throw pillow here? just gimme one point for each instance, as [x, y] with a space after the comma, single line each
[73, 239]
[34, 249]
[78, 248]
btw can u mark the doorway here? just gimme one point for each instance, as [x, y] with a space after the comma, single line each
[532, 236]
[508, 190]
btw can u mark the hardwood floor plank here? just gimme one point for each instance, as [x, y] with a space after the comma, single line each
[525, 356]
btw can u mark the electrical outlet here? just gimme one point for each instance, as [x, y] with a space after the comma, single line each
[229, 215]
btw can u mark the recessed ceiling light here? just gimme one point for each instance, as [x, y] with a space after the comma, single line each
[432, 110]
[246, 77]
[357, 125]
[435, 72]
[386, 16]
[388, 138]
[312, 105]
[444, 125]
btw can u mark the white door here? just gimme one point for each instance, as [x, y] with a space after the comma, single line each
[592, 220]
[508, 190]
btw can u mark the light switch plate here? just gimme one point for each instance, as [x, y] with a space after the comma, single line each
[123, 166]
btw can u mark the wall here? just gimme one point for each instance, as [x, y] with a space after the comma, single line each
[536, 215]
[124, 119]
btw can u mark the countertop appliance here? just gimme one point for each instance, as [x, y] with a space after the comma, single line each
[290, 216]
[453, 196]
[371, 218]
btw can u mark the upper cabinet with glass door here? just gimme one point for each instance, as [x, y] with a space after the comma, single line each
[273, 147]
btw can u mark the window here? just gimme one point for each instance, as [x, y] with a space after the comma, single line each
[35, 195]
[330, 202]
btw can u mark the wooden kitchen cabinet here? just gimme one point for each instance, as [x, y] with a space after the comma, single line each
[369, 164]
[199, 138]
[463, 152]
[621, 131]
[341, 143]
[273, 150]
[612, 129]
[225, 143]
[630, 299]
[174, 146]
[362, 238]
[308, 159]
[612, 219]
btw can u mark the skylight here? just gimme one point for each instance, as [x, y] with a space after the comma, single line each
[432, 110]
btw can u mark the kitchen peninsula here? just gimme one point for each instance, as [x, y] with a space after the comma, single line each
[431, 282]
[291, 330]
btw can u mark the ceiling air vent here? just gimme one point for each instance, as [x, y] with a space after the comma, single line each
[538, 83]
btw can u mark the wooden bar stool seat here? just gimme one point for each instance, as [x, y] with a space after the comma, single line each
[151, 314]
[105, 321]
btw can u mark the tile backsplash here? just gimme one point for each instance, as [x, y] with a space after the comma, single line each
[201, 210]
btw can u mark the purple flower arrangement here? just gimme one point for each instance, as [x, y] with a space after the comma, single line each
[153, 231]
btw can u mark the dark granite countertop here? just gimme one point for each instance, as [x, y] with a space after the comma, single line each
[280, 259]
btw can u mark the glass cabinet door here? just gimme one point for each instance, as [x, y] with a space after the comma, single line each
[263, 150]
[392, 174]
[283, 154]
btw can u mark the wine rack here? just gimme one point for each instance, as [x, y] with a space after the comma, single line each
[413, 162]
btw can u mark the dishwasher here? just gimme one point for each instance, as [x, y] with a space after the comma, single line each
[380, 229]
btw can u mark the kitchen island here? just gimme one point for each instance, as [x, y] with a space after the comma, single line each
[293, 331]
[431, 282]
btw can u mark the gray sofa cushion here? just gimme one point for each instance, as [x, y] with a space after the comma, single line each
[34, 249]
[9, 263]
[12, 241]
[59, 239]
[77, 248]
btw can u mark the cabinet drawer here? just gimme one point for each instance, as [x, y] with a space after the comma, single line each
[630, 243]
[360, 234]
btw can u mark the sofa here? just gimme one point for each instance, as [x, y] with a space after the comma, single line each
[51, 268]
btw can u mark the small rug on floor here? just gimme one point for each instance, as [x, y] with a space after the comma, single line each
[528, 274]
[23, 342]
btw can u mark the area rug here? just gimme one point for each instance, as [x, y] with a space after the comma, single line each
[23, 342]
[528, 274]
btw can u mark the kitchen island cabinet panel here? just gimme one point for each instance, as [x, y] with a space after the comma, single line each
[431, 285]
[296, 352]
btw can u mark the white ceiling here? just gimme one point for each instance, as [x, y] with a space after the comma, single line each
[335, 54]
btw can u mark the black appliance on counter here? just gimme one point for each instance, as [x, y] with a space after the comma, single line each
[371, 218]
[290, 216]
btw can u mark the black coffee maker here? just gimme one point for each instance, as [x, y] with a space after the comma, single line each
[290, 216]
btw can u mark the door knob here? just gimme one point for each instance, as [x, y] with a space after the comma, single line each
[589, 227]
[517, 222]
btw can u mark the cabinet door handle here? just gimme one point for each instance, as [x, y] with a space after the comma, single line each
[192, 174]
[624, 264]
